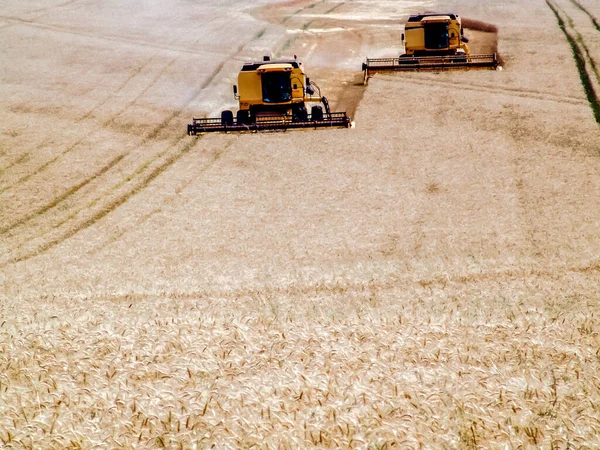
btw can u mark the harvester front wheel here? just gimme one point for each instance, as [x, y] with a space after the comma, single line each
[316, 113]
[227, 118]
[300, 114]
[243, 117]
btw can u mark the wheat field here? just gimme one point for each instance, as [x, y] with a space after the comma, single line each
[427, 279]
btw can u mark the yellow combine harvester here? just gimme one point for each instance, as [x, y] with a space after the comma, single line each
[432, 41]
[273, 96]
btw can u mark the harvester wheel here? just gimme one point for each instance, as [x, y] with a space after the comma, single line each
[243, 117]
[227, 118]
[300, 115]
[316, 113]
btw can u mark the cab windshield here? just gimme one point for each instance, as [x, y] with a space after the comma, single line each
[436, 36]
[276, 87]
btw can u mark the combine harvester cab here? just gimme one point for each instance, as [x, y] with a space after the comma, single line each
[273, 96]
[432, 42]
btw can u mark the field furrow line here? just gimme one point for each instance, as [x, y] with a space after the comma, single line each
[108, 122]
[588, 58]
[124, 84]
[131, 178]
[579, 38]
[44, 166]
[298, 11]
[119, 89]
[339, 5]
[164, 124]
[149, 86]
[72, 147]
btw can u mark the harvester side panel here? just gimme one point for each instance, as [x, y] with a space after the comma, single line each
[250, 89]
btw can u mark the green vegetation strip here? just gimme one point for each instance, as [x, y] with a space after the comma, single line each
[592, 18]
[581, 66]
[581, 42]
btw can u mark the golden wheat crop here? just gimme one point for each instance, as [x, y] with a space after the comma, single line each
[428, 279]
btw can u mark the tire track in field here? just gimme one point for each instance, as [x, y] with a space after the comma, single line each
[305, 25]
[298, 11]
[111, 120]
[582, 57]
[108, 208]
[335, 7]
[159, 75]
[62, 197]
[19, 160]
[492, 89]
[115, 203]
[53, 7]
[41, 168]
[347, 286]
[120, 88]
[109, 39]
[152, 135]
[43, 11]
[116, 236]
[348, 98]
